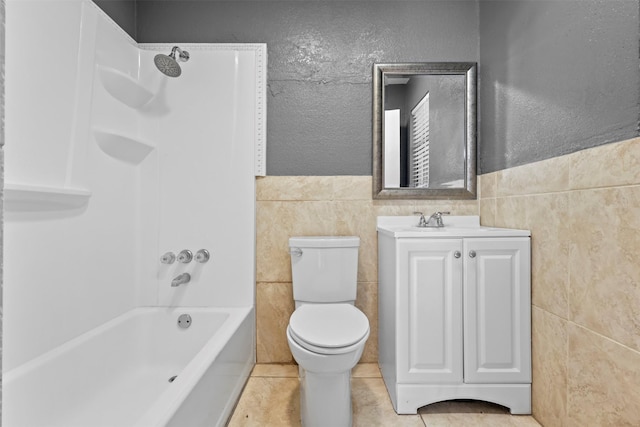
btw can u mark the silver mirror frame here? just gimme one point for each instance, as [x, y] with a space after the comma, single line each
[469, 70]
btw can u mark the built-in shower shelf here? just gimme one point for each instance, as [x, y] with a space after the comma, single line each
[27, 197]
[124, 88]
[121, 147]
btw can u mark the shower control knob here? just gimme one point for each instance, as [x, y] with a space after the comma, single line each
[168, 258]
[202, 256]
[185, 256]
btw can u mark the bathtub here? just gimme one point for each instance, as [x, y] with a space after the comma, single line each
[121, 373]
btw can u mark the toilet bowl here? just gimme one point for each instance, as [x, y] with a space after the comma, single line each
[326, 332]
[326, 340]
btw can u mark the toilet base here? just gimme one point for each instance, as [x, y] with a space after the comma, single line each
[325, 399]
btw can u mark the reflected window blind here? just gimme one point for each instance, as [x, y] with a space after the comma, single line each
[420, 144]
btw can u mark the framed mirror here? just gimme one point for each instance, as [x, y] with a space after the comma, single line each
[424, 130]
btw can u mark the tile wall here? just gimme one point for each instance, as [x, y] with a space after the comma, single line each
[320, 205]
[583, 211]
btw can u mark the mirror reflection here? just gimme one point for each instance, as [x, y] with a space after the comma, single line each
[424, 120]
[424, 130]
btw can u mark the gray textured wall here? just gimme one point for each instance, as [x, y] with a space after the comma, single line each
[320, 58]
[556, 77]
[121, 11]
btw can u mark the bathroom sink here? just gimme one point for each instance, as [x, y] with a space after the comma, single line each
[425, 230]
[447, 229]
[455, 226]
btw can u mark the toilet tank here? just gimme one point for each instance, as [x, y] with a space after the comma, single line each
[324, 268]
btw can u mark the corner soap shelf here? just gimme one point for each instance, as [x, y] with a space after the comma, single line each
[121, 147]
[27, 197]
[124, 88]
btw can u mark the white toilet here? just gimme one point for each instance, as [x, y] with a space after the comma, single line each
[326, 332]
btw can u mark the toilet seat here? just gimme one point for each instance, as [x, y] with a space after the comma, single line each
[329, 328]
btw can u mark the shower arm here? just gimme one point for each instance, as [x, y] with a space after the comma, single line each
[183, 54]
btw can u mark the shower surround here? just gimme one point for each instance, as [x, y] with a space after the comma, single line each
[109, 165]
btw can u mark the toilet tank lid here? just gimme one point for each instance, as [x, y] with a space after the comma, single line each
[324, 242]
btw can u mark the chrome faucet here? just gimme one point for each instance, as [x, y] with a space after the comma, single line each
[422, 222]
[181, 279]
[435, 217]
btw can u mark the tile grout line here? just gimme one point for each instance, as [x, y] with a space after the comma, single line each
[599, 334]
[565, 190]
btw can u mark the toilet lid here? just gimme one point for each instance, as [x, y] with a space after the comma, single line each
[329, 325]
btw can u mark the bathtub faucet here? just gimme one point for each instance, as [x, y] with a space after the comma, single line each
[180, 279]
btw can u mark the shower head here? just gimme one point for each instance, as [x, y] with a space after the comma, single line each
[168, 65]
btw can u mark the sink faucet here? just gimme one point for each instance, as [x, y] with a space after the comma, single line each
[435, 217]
[180, 279]
[422, 222]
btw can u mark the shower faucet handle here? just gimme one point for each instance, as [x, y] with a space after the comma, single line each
[168, 258]
[202, 256]
[185, 256]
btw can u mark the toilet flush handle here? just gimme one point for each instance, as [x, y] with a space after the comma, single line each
[295, 252]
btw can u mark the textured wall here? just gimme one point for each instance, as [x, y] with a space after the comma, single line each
[320, 57]
[556, 77]
[583, 210]
[121, 11]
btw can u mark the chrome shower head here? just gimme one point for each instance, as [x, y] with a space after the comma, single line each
[168, 65]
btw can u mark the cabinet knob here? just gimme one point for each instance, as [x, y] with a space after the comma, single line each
[457, 254]
[472, 254]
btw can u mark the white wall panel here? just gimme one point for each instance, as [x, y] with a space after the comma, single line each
[164, 164]
[42, 41]
[70, 269]
[204, 125]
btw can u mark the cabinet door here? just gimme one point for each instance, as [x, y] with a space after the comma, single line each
[497, 307]
[429, 311]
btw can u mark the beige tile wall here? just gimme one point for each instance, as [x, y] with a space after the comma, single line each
[316, 205]
[583, 211]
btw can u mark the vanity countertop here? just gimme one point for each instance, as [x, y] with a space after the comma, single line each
[454, 227]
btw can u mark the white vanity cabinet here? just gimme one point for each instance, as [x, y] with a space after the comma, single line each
[454, 314]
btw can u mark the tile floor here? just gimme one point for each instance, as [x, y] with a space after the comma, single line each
[270, 398]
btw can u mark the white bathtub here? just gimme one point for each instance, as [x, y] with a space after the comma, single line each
[118, 374]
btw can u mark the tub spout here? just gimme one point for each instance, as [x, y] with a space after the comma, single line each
[180, 279]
